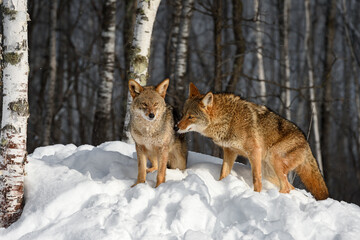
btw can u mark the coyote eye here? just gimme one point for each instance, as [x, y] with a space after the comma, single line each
[144, 105]
[190, 117]
[156, 104]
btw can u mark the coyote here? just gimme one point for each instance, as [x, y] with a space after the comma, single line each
[273, 145]
[152, 128]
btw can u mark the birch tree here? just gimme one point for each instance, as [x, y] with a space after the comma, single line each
[286, 13]
[15, 110]
[310, 65]
[259, 51]
[128, 32]
[173, 46]
[104, 95]
[49, 103]
[182, 50]
[287, 5]
[139, 59]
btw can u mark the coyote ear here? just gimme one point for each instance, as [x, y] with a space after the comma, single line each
[208, 100]
[193, 91]
[162, 87]
[135, 88]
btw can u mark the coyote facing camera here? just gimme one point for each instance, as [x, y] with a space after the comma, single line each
[273, 145]
[152, 128]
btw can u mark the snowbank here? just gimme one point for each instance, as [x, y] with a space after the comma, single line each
[84, 193]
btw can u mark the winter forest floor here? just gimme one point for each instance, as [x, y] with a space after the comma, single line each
[84, 193]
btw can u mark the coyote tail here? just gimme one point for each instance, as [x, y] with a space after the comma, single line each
[312, 178]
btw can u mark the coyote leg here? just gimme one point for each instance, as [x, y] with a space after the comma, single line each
[162, 170]
[255, 161]
[228, 162]
[141, 178]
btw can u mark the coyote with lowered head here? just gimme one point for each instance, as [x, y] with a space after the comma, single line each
[273, 145]
[152, 128]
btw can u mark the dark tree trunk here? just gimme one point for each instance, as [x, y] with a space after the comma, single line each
[102, 119]
[218, 25]
[50, 101]
[240, 45]
[326, 107]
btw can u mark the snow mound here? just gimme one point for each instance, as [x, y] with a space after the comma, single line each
[84, 193]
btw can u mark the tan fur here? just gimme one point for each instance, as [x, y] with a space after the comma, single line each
[273, 145]
[152, 128]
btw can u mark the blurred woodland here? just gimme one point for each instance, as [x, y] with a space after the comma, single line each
[300, 58]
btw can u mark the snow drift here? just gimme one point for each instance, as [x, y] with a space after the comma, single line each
[84, 193]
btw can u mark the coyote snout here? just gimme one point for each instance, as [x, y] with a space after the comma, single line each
[149, 113]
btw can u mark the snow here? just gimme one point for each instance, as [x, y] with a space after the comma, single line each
[84, 193]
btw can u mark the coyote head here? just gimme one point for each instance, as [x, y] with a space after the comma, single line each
[148, 102]
[196, 112]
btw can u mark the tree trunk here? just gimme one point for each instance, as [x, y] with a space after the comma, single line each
[356, 80]
[81, 129]
[259, 52]
[217, 15]
[49, 103]
[139, 58]
[104, 95]
[308, 51]
[327, 81]
[240, 45]
[285, 55]
[218, 25]
[287, 6]
[128, 32]
[172, 49]
[182, 52]
[15, 110]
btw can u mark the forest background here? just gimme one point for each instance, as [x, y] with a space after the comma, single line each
[302, 61]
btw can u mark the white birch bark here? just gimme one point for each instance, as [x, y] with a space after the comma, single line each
[15, 110]
[287, 5]
[139, 60]
[49, 103]
[182, 46]
[309, 61]
[259, 52]
[104, 94]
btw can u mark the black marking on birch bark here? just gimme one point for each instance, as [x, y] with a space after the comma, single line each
[12, 58]
[142, 14]
[9, 12]
[9, 128]
[21, 107]
[140, 63]
[134, 50]
[25, 160]
[148, 2]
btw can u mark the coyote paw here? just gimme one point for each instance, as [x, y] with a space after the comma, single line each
[137, 183]
[257, 187]
[287, 188]
[158, 183]
[284, 191]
